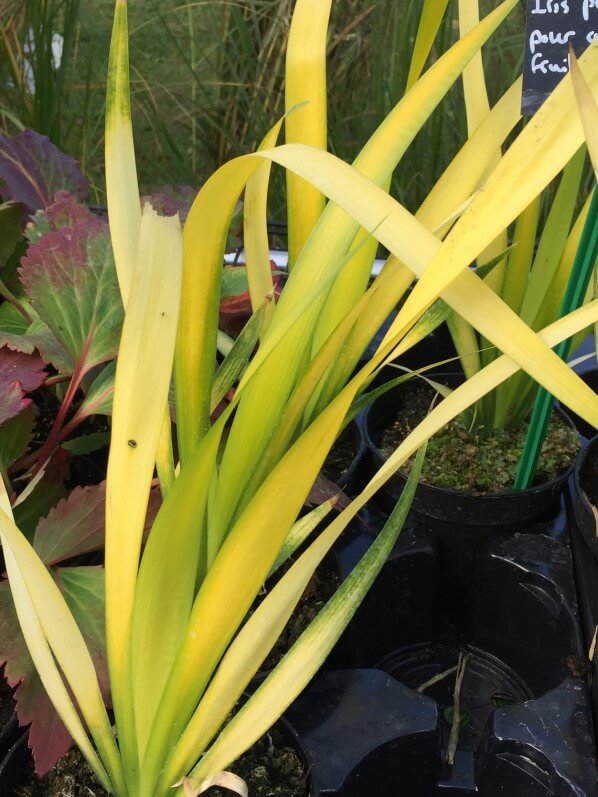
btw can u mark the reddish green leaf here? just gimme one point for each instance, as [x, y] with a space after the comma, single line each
[172, 199]
[19, 374]
[14, 437]
[234, 282]
[87, 443]
[70, 279]
[76, 525]
[98, 400]
[18, 335]
[50, 349]
[33, 170]
[65, 211]
[83, 589]
[47, 494]
[48, 737]
[13, 329]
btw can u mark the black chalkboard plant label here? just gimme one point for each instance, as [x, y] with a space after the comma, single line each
[553, 25]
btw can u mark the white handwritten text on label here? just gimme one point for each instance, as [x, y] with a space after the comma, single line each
[588, 5]
[543, 65]
[553, 6]
[537, 37]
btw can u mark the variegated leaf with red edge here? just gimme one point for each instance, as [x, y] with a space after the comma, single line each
[18, 334]
[19, 374]
[70, 280]
[75, 526]
[65, 211]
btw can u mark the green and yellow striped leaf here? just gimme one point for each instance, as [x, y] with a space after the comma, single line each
[124, 210]
[143, 373]
[306, 97]
[309, 652]
[429, 24]
[255, 231]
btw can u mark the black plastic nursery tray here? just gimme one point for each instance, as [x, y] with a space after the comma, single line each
[517, 601]
[506, 599]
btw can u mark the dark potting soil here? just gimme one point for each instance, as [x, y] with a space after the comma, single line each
[47, 406]
[459, 458]
[589, 476]
[85, 469]
[341, 456]
[320, 589]
[270, 768]
[71, 777]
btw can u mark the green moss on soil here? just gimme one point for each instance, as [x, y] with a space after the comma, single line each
[472, 460]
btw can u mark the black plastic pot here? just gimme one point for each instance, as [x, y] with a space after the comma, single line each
[9, 733]
[13, 764]
[456, 506]
[352, 478]
[370, 736]
[9, 726]
[585, 550]
[510, 604]
[293, 739]
[585, 547]
[586, 469]
[366, 733]
[590, 377]
[436, 347]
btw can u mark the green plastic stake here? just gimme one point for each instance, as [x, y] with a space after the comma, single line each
[583, 266]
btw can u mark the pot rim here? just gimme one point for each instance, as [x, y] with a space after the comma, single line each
[579, 463]
[551, 485]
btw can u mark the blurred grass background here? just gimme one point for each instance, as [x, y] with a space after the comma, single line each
[207, 81]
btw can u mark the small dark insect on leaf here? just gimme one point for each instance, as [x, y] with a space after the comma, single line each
[579, 666]
[133, 443]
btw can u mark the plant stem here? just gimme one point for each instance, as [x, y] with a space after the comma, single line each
[56, 380]
[7, 294]
[54, 438]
